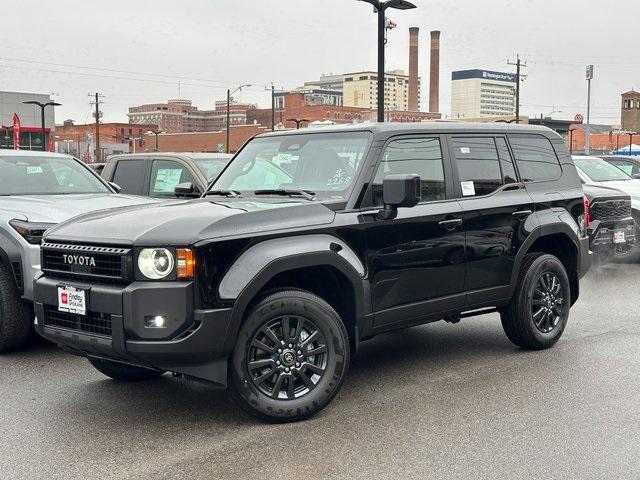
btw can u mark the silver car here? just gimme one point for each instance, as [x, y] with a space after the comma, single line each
[37, 191]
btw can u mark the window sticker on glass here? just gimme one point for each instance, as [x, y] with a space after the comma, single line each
[468, 189]
[34, 170]
[466, 150]
[167, 179]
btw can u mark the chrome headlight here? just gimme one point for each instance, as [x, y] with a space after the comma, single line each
[155, 263]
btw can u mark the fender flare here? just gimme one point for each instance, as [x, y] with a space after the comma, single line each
[259, 264]
[10, 254]
[537, 233]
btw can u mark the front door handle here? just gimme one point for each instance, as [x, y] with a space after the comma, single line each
[451, 224]
[522, 214]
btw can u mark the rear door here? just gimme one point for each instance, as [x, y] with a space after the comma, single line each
[131, 176]
[495, 207]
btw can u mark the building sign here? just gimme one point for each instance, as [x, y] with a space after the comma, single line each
[579, 118]
[589, 72]
[484, 74]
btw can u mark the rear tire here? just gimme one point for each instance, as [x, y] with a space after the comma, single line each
[290, 358]
[124, 372]
[15, 325]
[539, 310]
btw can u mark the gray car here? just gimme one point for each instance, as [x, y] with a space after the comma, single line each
[37, 191]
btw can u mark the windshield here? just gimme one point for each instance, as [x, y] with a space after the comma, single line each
[600, 171]
[211, 167]
[46, 176]
[323, 163]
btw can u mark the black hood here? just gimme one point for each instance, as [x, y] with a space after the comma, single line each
[593, 192]
[189, 222]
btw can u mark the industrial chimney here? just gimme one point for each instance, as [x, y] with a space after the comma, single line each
[434, 78]
[414, 98]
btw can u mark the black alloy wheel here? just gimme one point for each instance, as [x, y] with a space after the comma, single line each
[538, 312]
[291, 356]
[287, 357]
[547, 302]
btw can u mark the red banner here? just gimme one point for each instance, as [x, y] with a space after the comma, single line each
[52, 143]
[16, 132]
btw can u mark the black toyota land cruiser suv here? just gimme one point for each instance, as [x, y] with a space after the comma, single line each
[310, 242]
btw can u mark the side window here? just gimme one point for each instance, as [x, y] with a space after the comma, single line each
[624, 166]
[478, 165]
[130, 176]
[166, 175]
[421, 156]
[535, 157]
[506, 162]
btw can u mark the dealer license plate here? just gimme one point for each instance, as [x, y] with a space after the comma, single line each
[72, 300]
[618, 237]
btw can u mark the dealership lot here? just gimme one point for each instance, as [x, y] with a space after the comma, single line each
[448, 401]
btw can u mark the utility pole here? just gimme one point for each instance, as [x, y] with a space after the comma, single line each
[587, 133]
[518, 64]
[97, 103]
[273, 108]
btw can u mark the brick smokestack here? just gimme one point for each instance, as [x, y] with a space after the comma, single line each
[434, 77]
[414, 99]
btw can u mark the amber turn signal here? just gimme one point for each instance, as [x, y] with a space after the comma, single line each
[186, 263]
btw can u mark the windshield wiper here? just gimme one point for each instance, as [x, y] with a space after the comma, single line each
[223, 193]
[308, 194]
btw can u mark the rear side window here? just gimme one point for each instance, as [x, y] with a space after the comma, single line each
[535, 157]
[421, 156]
[130, 176]
[478, 165]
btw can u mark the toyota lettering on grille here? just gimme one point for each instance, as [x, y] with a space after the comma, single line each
[82, 260]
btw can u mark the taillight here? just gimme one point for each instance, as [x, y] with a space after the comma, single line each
[587, 211]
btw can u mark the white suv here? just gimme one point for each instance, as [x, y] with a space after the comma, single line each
[37, 191]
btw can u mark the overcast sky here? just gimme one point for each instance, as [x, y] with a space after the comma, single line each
[138, 52]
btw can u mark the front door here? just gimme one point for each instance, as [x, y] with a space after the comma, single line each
[416, 261]
[497, 210]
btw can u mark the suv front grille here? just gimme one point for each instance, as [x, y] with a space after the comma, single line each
[610, 210]
[107, 264]
[93, 322]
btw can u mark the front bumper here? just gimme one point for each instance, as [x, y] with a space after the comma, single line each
[192, 343]
[601, 235]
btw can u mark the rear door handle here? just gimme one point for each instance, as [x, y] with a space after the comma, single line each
[451, 224]
[522, 214]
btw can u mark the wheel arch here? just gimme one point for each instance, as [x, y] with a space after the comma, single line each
[556, 239]
[327, 268]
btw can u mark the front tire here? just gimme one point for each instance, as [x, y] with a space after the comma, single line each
[290, 358]
[124, 372]
[539, 310]
[15, 326]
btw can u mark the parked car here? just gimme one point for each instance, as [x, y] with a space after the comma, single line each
[612, 230]
[37, 191]
[158, 174]
[598, 172]
[270, 281]
[629, 164]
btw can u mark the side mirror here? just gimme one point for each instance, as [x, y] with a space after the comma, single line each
[636, 176]
[116, 187]
[186, 190]
[399, 191]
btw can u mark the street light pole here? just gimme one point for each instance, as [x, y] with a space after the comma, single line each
[42, 107]
[630, 142]
[229, 93]
[156, 133]
[380, 8]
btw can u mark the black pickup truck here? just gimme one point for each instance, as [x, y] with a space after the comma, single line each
[312, 241]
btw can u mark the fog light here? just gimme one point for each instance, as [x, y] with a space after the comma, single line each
[156, 321]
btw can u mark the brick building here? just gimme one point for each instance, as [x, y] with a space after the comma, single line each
[114, 137]
[205, 141]
[631, 111]
[169, 117]
[296, 107]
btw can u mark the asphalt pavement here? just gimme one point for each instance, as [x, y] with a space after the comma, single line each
[438, 401]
